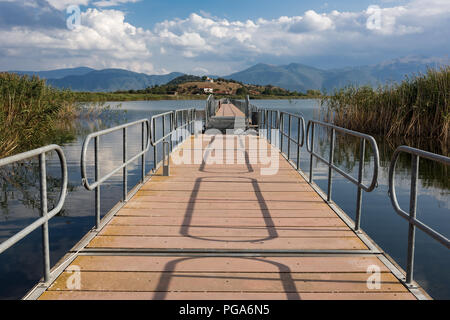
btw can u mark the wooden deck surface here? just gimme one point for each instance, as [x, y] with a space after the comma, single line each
[229, 110]
[220, 210]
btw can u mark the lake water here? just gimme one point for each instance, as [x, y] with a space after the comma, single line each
[21, 266]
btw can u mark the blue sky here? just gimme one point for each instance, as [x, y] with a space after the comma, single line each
[218, 37]
[147, 13]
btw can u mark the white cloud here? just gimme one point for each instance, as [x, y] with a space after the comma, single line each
[113, 3]
[63, 4]
[312, 21]
[201, 42]
[103, 40]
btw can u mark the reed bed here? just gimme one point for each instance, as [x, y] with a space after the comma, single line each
[415, 109]
[32, 114]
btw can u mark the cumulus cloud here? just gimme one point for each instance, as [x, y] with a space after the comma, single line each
[221, 46]
[36, 14]
[113, 3]
[103, 40]
[63, 4]
[312, 22]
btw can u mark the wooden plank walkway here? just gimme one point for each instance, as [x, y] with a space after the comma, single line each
[229, 110]
[226, 232]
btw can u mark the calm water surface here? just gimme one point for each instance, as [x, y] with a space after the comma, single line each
[21, 266]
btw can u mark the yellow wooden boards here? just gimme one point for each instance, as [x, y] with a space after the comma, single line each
[226, 208]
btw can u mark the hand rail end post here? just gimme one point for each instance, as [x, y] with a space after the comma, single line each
[44, 212]
[97, 176]
[412, 215]
[330, 169]
[311, 169]
[360, 178]
[166, 155]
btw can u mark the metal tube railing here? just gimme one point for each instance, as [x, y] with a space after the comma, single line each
[416, 154]
[45, 215]
[211, 105]
[270, 121]
[179, 119]
[300, 134]
[125, 162]
[331, 166]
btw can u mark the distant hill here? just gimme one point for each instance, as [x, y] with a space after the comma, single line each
[290, 77]
[302, 78]
[57, 74]
[194, 85]
[111, 80]
[184, 78]
[293, 77]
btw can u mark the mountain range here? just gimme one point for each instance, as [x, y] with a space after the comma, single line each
[294, 76]
[107, 80]
[301, 77]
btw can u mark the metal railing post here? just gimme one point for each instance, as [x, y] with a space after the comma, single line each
[171, 126]
[97, 176]
[125, 171]
[164, 126]
[358, 182]
[298, 144]
[155, 151]
[330, 169]
[193, 122]
[412, 215]
[278, 115]
[44, 209]
[282, 131]
[143, 154]
[311, 170]
[360, 178]
[45, 215]
[96, 185]
[289, 137]
[166, 155]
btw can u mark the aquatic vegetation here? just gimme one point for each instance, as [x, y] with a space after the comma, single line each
[33, 114]
[415, 109]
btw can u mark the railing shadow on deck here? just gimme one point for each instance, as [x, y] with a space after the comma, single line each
[167, 275]
[186, 225]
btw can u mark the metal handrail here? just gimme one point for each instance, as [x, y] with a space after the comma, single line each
[100, 180]
[153, 127]
[45, 215]
[416, 154]
[187, 121]
[268, 123]
[188, 118]
[358, 182]
[300, 133]
[211, 103]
